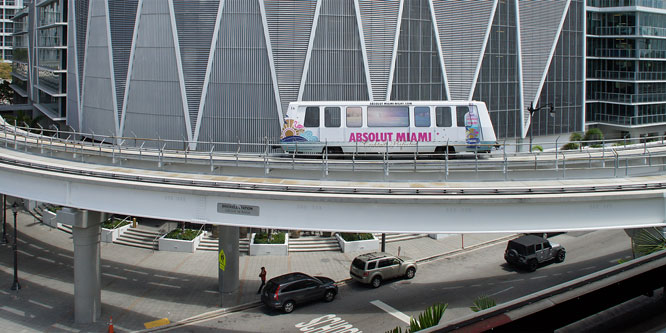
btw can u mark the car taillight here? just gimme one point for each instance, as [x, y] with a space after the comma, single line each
[365, 273]
[275, 297]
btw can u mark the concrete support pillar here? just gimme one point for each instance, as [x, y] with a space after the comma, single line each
[87, 273]
[228, 259]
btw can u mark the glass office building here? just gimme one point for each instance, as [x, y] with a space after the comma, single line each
[212, 70]
[40, 57]
[626, 67]
[7, 10]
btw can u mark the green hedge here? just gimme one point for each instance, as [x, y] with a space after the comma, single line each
[188, 234]
[276, 238]
[114, 223]
[350, 237]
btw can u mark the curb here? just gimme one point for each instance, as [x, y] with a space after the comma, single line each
[250, 305]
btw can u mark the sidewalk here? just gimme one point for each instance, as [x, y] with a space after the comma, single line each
[140, 285]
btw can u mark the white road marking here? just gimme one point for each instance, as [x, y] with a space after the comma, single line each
[501, 291]
[538, 277]
[114, 276]
[393, 312]
[40, 304]
[164, 285]
[475, 285]
[511, 281]
[588, 268]
[557, 274]
[449, 288]
[14, 311]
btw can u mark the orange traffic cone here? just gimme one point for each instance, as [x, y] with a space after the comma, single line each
[110, 324]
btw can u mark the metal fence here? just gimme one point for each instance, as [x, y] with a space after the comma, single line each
[559, 159]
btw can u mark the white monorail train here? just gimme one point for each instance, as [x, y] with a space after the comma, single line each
[394, 127]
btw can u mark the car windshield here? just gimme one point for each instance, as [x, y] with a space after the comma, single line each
[519, 248]
[358, 263]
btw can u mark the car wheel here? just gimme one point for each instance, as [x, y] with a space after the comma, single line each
[532, 265]
[329, 296]
[288, 307]
[560, 256]
[410, 273]
[376, 282]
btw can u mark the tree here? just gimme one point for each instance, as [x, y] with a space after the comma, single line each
[594, 136]
[5, 71]
[6, 93]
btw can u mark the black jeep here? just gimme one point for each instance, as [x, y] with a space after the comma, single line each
[529, 251]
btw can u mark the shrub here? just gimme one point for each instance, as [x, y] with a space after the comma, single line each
[482, 303]
[350, 237]
[593, 134]
[114, 223]
[275, 238]
[187, 234]
[570, 146]
[575, 136]
[537, 148]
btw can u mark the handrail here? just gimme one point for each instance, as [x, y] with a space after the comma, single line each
[490, 164]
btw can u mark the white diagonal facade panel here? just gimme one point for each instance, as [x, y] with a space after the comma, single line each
[380, 21]
[98, 95]
[289, 27]
[462, 27]
[540, 21]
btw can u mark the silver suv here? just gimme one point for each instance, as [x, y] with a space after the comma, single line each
[373, 268]
[529, 251]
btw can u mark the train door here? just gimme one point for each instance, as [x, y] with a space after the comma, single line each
[331, 131]
[444, 131]
[421, 129]
[311, 124]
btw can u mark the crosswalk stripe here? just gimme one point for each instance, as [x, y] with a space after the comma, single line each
[393, 312]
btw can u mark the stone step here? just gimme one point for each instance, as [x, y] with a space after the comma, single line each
[66, 228]
[136, 244]
[317, 249]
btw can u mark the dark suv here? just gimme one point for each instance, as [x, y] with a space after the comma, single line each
[284, 291]
[529, 251]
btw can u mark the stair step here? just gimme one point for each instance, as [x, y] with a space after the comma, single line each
[137, 231]
[141, 245]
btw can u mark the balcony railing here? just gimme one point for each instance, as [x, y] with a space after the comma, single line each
[630, 98]
[628, 120]
[653, 31]
[626, 75]
[620, 53]
[606, 31]
[627, 3]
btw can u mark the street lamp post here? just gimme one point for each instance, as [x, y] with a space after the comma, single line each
[532, 110]
[15, 285]
[4, 221]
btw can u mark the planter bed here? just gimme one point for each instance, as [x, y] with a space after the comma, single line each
[179, 245]
[269, 249]
[368, 245]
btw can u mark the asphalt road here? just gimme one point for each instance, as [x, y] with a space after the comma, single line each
[456, 281]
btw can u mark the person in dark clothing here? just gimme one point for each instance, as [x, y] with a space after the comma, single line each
[262, 275]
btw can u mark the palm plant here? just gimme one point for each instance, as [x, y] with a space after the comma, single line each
[429, 318]
[22, 119]
[482, 303]
[649, 240]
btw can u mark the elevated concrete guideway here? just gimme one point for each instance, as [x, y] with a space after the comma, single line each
[400, 207]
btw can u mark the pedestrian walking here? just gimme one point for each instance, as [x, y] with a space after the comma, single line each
[262, 275]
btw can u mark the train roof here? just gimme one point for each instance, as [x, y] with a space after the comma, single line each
[383, 103]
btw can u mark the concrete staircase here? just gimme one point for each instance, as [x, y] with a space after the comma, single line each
[208, 243]
[138, 237]
[390, 238]
[313, 244]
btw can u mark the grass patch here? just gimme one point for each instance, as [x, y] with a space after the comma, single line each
[350, 237]
[276, 238]
[114, 223]
[187, 234]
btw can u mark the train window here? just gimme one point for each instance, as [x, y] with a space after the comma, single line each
[422, 116]
[461, 111]
[332, 116]
[311, 116]
[354, 117]
[443, 115]
[388, 116]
